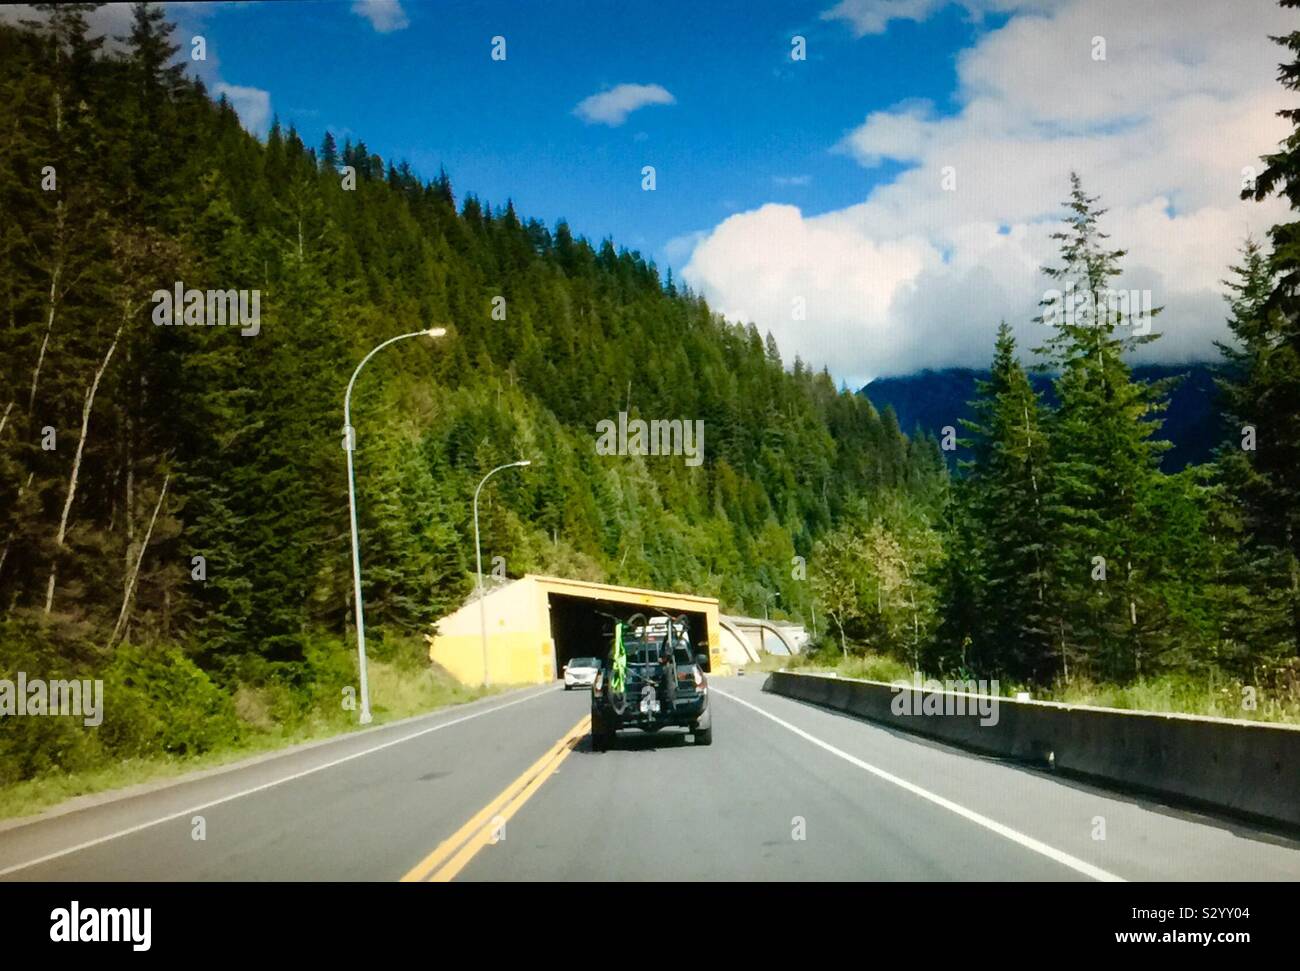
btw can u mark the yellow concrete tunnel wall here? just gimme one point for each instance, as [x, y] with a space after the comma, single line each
[513, 658]
[520, 647]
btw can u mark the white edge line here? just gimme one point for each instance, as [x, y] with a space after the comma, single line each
[1015, 836]
[266, 785]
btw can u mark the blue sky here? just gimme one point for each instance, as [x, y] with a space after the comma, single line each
[748, 125]
[878, 207]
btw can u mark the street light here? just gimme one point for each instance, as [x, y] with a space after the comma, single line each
[349, 446]
[767, 599]
[478, 560]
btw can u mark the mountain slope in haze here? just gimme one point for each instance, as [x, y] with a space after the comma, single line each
[931, 399]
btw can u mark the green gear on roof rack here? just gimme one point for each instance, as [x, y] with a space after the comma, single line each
[618, 663]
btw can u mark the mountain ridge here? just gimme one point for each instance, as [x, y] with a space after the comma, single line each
[935, 397]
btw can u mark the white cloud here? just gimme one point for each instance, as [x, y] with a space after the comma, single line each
[109, 21]
[680, 247]
[613, 106]
[792, 180]
[873, 16]
[385, 16]
[900, 133]
[253, 105]
[915, 276]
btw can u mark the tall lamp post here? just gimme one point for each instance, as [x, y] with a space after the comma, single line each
[349, 445]
[478, 560]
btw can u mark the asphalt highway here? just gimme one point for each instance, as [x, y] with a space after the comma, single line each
[508, 788]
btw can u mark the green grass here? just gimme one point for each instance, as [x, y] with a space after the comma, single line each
[768, 662]
[870, 667]
[1182, 694]
[1221, 699]
[402, 684]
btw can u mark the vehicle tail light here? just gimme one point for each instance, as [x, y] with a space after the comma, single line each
[597, 684]
[699, 677]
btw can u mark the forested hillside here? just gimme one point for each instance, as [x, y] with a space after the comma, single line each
[127, 449]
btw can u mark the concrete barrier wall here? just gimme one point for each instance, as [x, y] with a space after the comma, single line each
[1249, 768]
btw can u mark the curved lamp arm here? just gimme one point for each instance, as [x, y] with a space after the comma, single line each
[478, 563]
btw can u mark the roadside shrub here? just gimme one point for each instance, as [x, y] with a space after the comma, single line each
[876, 667]
[156, 700]
[36, 745]
[331, 667]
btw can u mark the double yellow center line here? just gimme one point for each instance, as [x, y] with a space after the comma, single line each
[454, 853]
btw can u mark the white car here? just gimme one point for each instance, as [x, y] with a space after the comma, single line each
[580, 672]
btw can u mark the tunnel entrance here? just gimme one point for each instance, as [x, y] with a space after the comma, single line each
[584, 626]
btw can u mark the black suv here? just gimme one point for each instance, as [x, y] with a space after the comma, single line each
[663, 685]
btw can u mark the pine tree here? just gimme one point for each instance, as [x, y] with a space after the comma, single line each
[329, 154]
[1272, 342]
[1007, 490]
[1256, 516]
[1105, 460]
[150, 111]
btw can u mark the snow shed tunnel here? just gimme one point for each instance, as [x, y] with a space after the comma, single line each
[534, 624]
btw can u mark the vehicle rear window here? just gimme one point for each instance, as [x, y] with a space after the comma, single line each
[649, 654]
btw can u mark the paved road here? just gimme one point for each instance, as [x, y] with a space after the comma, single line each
[509, 789]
